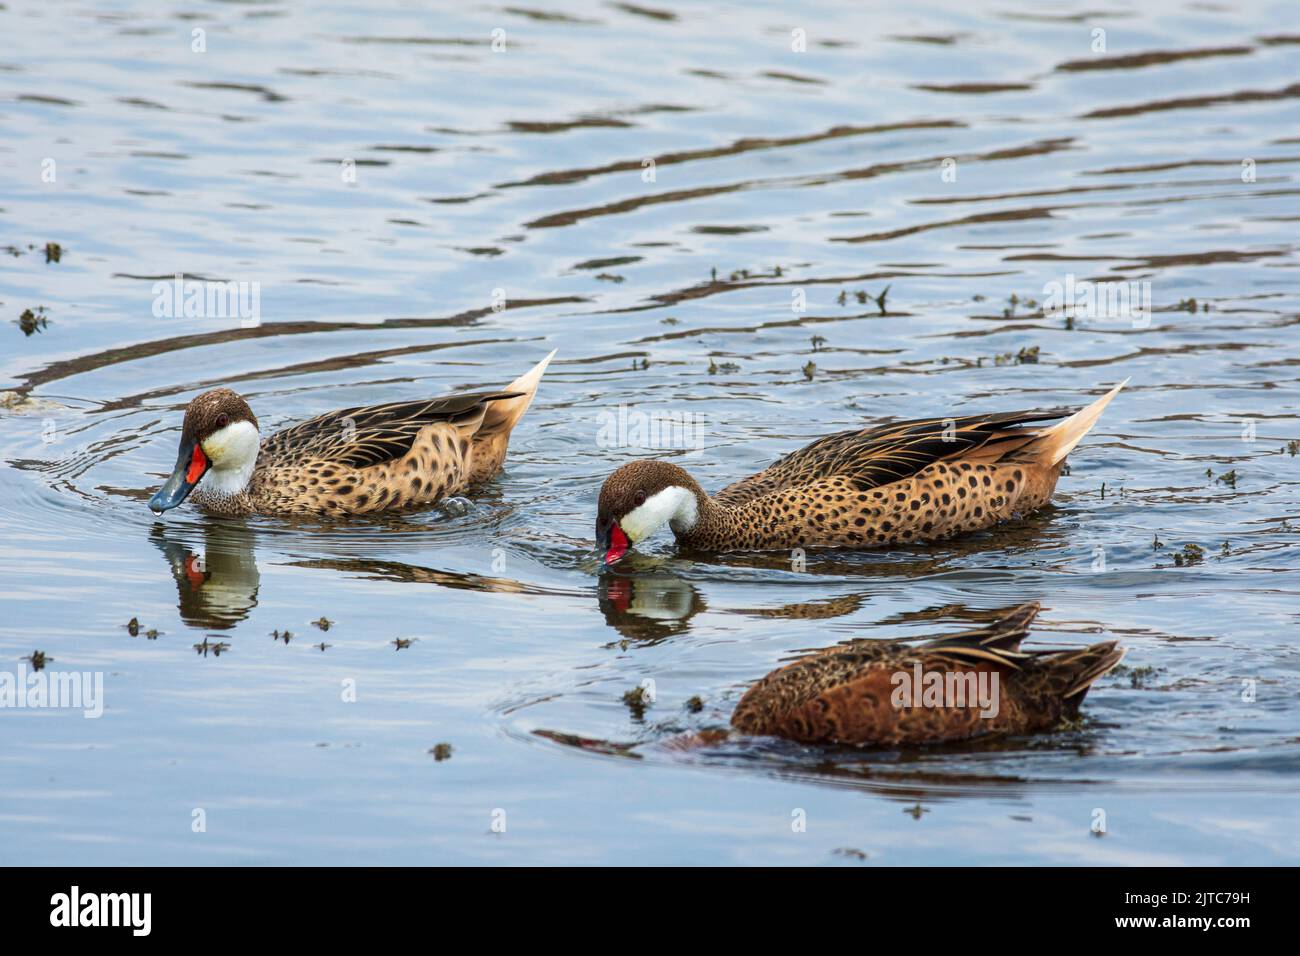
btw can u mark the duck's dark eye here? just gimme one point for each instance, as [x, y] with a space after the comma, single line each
[639, 498]
[223, 420]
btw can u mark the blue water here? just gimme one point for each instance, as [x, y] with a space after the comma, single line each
[520, 179]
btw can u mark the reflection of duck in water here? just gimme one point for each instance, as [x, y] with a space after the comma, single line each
[217, 588]
[880, 692]
[895, 484]
[352, 461]
[648, 607]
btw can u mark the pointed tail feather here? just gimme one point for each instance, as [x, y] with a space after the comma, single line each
[1053, 444]
[998, 642]
[1097, 660]
[504, 414]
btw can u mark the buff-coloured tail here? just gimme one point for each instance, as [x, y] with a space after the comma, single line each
[1053, 444]
[504, 414]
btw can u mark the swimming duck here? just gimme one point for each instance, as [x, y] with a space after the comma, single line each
[872, 692]
[351, 461]
[899, 483]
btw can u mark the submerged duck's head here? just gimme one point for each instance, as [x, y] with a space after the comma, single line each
[219, 435]
[639, 499]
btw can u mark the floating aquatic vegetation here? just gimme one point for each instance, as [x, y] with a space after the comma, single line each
[32, 322]
[636, 702]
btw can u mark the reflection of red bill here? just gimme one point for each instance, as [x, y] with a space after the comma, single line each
[198, 465]
[620, 593]
[194, 570]
[618, 545]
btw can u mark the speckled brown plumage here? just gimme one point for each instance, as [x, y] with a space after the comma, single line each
[845, 694]
[890, 485]
[367, 459]
[392, 458]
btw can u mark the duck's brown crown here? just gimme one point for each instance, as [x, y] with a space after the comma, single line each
[630, 485]
[213, 410]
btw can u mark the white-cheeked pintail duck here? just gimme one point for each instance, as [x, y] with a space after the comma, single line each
[894, 484]
[850, 693]
[352, 461]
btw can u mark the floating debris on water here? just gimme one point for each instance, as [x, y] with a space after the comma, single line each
[880, 299]
[135, 629]
[636, 702]
[22, 404]
[1026, 356]
[1137, 676]
[32, 322]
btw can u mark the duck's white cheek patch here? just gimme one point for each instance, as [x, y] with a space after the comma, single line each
[233, 453]
[675, 506]
[232, 447]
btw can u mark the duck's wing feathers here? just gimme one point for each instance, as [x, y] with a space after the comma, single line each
[371, 435]
[998, 643]
[872, 457]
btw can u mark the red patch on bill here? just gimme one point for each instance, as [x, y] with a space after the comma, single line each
[618, 545]
[198, 465]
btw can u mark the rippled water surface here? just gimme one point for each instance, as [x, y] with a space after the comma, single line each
[653, 190]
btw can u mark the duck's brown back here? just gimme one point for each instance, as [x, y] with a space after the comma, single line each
[846, 694]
